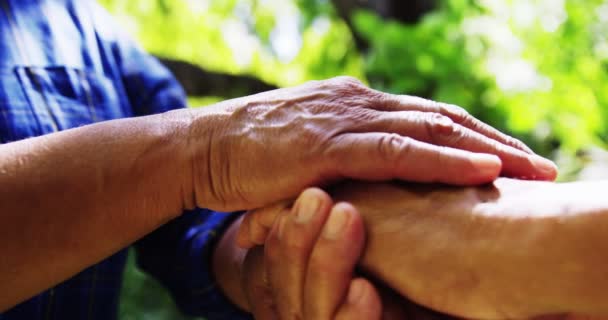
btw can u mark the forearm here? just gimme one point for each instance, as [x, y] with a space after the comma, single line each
[70, 199]
[520, 249]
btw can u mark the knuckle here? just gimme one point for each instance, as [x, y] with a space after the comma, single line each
[347, 93]
[269, 215]
[383, 99]
[391, 146]
[458, 137]
[439, 127]
[255, 219]
[349, 85]
[348, 80]
[516, 143]
[456, 113]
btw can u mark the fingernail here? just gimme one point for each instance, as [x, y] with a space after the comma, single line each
[306, 206]
[356, 291]
[545, 166]
[337, 221]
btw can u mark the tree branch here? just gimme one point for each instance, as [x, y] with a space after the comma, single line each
[409, 11]
[199, 82]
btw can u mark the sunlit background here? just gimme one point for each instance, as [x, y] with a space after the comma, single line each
[535, 69]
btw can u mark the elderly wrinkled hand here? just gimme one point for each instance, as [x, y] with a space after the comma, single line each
[253, 151]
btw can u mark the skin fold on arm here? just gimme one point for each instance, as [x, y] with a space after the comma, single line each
[513, 249]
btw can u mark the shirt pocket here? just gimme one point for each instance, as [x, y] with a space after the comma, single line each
[17, 121]
[42, 100]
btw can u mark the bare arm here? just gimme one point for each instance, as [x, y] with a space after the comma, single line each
[73, 198]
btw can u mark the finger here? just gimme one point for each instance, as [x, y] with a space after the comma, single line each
[242, 234]
[383, 156]
[288, 248]
[258, 232]
[440, 130]
[257, 224]
[362, 302]
[456, 113]
[333, 259]
[259, 296]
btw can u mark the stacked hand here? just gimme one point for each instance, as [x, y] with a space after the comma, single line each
[317, 134]
[249, 152]
[306, 268]
[512, 250]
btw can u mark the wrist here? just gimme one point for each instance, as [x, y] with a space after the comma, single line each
[200, 130]
[177, 132]
[161, 164]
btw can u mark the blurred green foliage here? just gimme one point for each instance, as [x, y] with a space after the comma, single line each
[534, 68]
[537, 69]
[237, 37]
[143, 298]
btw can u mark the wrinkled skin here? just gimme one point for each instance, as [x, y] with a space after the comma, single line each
[511, 250]
[253, 151]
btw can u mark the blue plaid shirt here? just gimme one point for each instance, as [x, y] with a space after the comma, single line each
[65, 64]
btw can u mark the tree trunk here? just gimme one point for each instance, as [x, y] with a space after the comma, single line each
[405, 11]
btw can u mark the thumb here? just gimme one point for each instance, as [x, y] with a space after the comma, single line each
[257, 223]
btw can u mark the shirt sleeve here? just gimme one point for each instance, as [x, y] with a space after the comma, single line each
[179, 256]
[149, 85]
